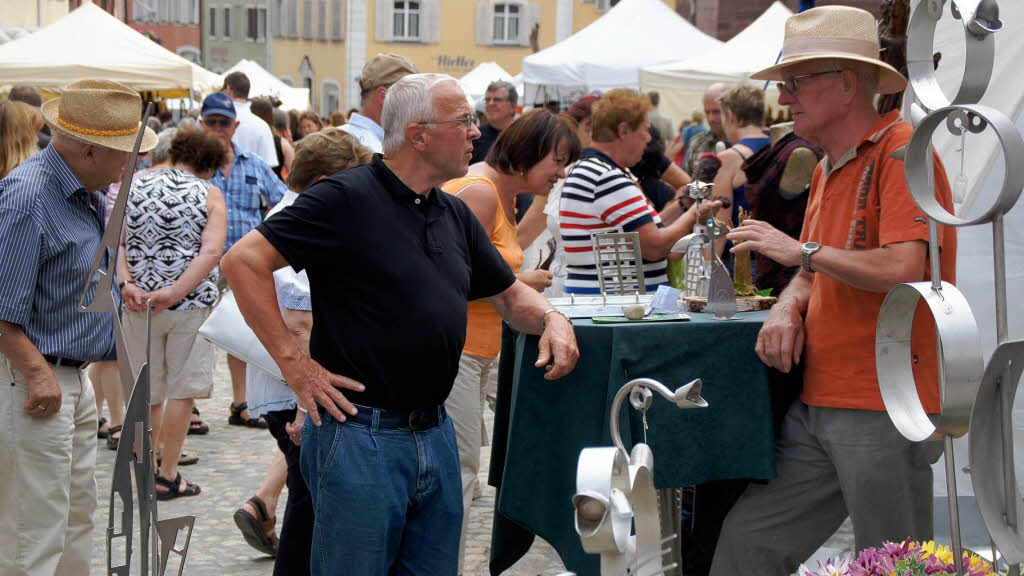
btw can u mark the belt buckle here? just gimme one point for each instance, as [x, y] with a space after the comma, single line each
[414, 416]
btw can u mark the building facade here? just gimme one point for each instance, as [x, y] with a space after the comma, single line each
[232, 30]
[323, 44]
[174, 24]
[27, 15]
[723, 19]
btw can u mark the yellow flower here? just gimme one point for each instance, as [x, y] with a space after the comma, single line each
[978, 564]
[927, 549]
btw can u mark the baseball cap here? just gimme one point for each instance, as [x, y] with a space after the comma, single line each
[218, 103]
[385, 69]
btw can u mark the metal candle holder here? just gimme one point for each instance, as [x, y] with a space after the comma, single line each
[135, 450]
[970, 398]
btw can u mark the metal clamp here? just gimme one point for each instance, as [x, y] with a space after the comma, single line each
[980, 21]
[960, 359]
[973, 118]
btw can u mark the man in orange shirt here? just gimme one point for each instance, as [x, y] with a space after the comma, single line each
[838, 453]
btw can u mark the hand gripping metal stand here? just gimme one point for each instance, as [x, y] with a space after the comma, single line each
[135, 450]
[615, 491]
[969, 400]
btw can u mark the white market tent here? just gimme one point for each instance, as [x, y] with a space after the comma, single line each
[475, 83]
[682, 83]
[90, 43]
[263, 83]
[610, 51]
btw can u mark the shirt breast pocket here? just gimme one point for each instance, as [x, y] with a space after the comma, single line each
[253, 190]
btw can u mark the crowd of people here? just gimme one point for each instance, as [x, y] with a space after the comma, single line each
[375, 256]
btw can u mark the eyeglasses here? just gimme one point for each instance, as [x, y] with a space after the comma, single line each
[217, 122]
[467, 121]
[791, 85]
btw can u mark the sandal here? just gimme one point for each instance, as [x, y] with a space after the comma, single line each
[258, 532]
[175, 488]
[184, 460]
[236, 417]
[196, 425]
[100, 432]
[113, 440]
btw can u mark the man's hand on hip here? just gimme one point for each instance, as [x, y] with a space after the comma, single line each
[780, 343]
[44, 395]
[557, 347]
[315, 385]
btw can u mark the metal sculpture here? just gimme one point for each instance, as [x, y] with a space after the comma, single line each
[135, 450]
[615, 490]
[711, 277]
[971, 399]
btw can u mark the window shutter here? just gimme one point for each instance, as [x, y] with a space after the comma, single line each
[529, 16]
[382, 12]
[337, 19]
[293, 18]
[432, 14]
[307, 19]
[321, 20]
[484, 26]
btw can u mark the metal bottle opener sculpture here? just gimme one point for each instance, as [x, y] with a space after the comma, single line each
[971, 400]
[615, 490]
[135, 450]
[711, 273]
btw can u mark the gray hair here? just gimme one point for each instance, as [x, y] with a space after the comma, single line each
[154, 124]
[408, 100]
[508, 87]
[280, 120]
[162, 152]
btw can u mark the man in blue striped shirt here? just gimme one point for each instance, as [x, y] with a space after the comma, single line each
[243, 178]
[51, 224]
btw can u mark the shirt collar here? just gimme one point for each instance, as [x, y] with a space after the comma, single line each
[595, 153]
[360, 121]
[67, 181]
[397, 188]
[872, 136]
[239, 153]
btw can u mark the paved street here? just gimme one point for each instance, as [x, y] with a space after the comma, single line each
[231, 465]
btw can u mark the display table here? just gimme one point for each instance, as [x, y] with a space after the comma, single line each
[541, 425]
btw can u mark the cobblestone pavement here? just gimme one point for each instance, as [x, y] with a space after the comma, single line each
[232, 461]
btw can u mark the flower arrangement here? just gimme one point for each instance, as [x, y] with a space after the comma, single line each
[905, 559]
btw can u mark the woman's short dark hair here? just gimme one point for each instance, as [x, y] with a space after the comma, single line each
[746, 103]
[200, 150]
[264, 109]
[324, 153]
[529, 140]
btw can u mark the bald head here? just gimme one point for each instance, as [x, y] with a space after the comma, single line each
[713, 110]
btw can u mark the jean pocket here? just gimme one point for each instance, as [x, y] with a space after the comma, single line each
[448, 431]
[331, 436]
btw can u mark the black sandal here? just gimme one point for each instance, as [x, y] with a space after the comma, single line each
[255, 529]
[236, 417]
[112, 440]
[100, 432]
[197, 426]
[174, 488]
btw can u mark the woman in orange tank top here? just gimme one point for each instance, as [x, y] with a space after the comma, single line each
[529, 157]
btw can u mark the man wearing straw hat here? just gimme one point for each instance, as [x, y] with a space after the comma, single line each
[51, 224]
[838, 454]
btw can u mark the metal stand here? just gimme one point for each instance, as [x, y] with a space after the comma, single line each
[135, 450]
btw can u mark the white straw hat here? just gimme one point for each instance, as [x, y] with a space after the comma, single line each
[99, 112]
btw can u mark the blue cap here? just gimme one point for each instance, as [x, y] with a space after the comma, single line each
[220, 104]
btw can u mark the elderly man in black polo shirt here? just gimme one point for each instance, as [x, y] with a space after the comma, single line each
[392, 262]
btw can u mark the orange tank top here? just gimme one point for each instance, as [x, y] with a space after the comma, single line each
[483, 330]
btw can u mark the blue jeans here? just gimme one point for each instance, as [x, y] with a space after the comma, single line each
[387, 502]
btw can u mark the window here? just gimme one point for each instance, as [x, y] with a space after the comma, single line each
[307, 19]
[337, 18]
[194, 13]
[406, 21]
[330, 96]
[293, 18]
[213, 21]
[227, 23]
[261, 25]
[506, 23]
[280, 17]
[321, 19]
[256, 24]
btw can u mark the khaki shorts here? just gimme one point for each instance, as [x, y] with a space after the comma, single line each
[181, 361]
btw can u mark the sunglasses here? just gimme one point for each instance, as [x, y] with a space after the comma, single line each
[218, 122]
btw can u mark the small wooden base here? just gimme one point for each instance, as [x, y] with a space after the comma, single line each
[743, 303]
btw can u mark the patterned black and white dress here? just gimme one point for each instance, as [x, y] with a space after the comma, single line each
[164, 227]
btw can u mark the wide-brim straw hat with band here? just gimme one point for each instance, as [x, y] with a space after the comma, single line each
[99, 112]
[834, 32]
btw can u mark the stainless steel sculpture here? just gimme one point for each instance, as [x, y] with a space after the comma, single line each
[971, 400]
[615, 491]
[711, 278]
[135, 450]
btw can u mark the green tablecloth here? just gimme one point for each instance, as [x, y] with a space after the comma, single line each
[548, 423]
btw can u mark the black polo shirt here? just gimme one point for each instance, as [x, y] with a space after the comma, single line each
[390, 273]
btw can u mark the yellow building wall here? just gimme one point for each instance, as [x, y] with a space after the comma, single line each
[24, 13]
[326, 58]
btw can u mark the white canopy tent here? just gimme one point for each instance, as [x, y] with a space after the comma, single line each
[263, 83]
[475, 83]
[610, 51]
[682, 83]
[90, 43]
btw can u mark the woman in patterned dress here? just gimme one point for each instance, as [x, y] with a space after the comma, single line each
[174, 237]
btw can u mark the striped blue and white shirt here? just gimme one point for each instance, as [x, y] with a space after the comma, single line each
[249, 179]
[599, 196]
[50, 230]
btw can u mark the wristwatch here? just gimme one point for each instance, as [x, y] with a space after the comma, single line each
[806, 251]
[123, 284]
